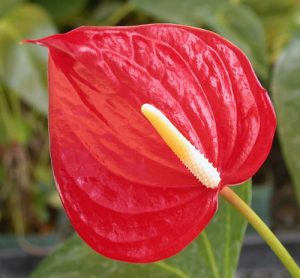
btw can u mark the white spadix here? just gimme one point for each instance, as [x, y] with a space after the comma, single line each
[196, 162]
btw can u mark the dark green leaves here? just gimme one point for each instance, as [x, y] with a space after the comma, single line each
[214, 254]
[63, 11]
[286, 93]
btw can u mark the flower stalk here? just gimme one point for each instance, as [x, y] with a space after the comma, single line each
[263, 230]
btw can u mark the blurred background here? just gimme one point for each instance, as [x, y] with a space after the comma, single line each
[32, 221]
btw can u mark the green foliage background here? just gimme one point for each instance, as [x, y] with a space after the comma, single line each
[267, 31]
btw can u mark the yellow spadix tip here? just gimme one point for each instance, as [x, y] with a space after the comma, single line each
[195, 161]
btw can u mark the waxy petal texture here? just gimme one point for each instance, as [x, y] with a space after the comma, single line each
[124, 190]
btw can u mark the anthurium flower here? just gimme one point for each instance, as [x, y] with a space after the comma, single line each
[125, 191]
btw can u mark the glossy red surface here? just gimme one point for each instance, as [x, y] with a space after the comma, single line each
[126, 193]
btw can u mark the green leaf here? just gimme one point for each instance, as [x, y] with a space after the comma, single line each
[13, 128]
[7, 5]
[237, 23]
[189, 12]
[271, 7]
[23, 67]
[63, 11]
[286, 94]
[280, 19]
[214, 253]
[110, 13]
[102, 11]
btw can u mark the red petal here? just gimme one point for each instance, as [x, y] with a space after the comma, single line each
[118, 217]
[244, 116]
[204, 85]
[125, 191]
[256, 120]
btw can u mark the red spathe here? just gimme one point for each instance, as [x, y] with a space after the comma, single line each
[126, 193]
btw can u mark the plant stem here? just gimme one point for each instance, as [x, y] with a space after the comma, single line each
[262, 230]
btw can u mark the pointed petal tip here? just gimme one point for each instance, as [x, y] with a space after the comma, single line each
[49, 41]
[38, 42]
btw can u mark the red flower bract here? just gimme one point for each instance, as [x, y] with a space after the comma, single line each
[125, 192]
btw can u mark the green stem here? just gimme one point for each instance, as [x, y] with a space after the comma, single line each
[262, 230]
